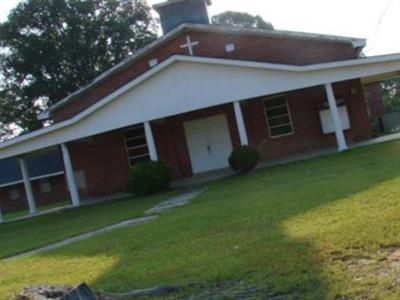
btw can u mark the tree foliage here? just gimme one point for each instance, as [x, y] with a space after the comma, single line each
[49, 49]
[241, 20]
[391, 94]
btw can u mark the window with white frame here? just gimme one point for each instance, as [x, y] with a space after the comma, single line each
[136, 145]
[278, 116]
[44, 186]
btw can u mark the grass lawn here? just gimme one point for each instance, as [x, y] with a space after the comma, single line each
[22, 213]
[40, 231]
[319, 229]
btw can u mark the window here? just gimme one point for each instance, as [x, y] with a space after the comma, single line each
[278, 117]
[136, 145]
[80, 179]
[14, 193]
[44, 186]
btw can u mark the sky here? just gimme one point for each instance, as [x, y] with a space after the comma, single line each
[376, 20]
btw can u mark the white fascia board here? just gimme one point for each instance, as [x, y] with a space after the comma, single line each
[91, 109]
[182, 76]
[44, 115]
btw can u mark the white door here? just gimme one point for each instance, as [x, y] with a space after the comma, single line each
[209, 143]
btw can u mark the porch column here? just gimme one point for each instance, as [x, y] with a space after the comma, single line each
[240, 124]
[150, 141]
[69, 172]
[28, 186]
[336, 118]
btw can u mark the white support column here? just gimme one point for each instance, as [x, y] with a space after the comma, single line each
[28, 186]
[69, 172]
[336, 118]
[150, 141]
[240, 124]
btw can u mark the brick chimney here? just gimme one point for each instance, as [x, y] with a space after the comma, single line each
[176, 12]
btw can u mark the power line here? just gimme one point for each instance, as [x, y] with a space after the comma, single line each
[382, 17]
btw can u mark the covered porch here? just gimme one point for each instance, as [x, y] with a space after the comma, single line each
[230, 108]
[276, 126]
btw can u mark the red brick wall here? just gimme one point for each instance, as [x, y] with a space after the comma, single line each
[304, 106]
[293, 51]
[104, 160]
[353, 93]
[58, 193]
[373, 94]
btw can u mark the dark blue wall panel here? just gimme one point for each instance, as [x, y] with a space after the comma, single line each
[40, 165]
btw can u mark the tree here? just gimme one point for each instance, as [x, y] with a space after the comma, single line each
[49, 49]
[241, 20]
[391, 94]
[7, 130]
[8, 112]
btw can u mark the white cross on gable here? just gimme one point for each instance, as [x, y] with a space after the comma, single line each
[189, 44]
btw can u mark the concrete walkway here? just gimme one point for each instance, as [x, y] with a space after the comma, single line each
[173, 202]
[85, 236]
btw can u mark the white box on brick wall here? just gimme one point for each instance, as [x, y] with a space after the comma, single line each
[327, 122]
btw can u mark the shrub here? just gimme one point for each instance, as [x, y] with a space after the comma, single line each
[148, 177]
[243, 159]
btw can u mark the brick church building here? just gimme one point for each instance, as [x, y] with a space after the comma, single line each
[193, 96]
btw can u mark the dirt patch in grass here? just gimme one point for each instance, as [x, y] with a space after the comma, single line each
[382, 266]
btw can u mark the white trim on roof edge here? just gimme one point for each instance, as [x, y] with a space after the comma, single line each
[356, 42]
[260, 78]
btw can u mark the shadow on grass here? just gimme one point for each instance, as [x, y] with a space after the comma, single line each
[235, 231]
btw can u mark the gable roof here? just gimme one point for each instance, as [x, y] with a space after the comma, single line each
[357, 43]
[39, 166]
[228, 81]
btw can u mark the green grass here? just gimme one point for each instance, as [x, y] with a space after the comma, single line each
[303, 230]
[23, 213]
[18, 237]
